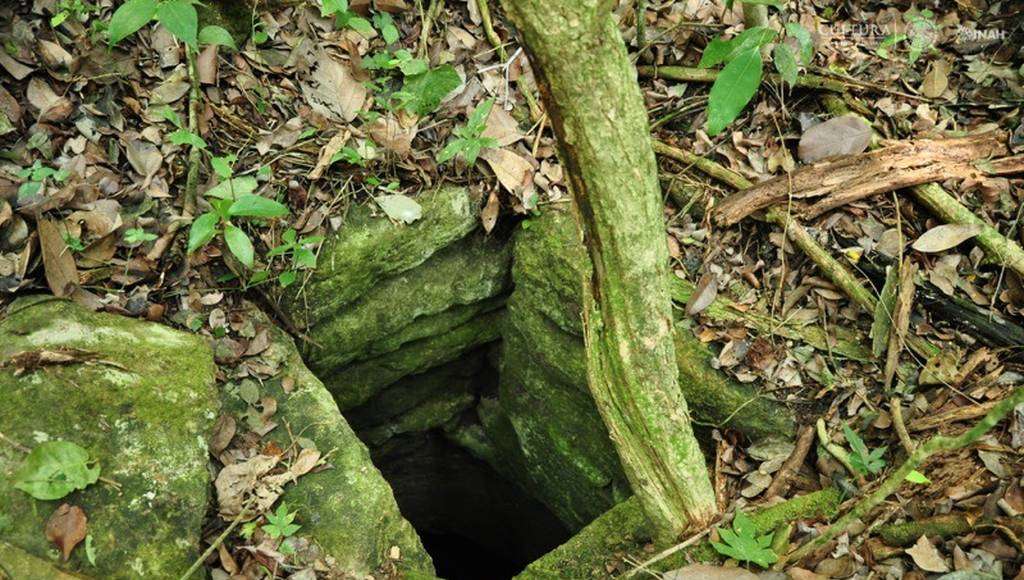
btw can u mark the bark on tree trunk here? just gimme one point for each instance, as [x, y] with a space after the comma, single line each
[596, 109]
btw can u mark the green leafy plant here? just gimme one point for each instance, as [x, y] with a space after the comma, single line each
[54, 469]
[90, 550]
[72, 242]
[916, 476]
[233, 197]
[345, 18]
[279, 524]
[422, 93]
[743, 543]
[469, 142]
[921, 31]
[136, 236]
[738, 81]
[36, 176]
[862, 459]
[302, 257]
[75, 10]
[179, 17]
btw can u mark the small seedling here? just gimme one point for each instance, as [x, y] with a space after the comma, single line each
[468, 142]
[73, 243]
[74, 10]
[36, 176]
[233, 197]
[743, 543]
[345, 18]
[279, 524]
[302, 257]
[863, 460]
[135, 236]
[921, 31]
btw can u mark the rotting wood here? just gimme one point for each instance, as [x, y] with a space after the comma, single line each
[596, 109]
[847, 179]
[998, 248]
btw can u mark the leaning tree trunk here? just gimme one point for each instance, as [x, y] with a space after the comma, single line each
[597, 112]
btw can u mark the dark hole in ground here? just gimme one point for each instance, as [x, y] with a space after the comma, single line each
[475, 524]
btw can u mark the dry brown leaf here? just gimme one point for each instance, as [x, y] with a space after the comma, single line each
[927, 557]
[327, 153]
[243, 485]
[703, 295]
[489, 215]
[15, 68]
[207, 65]
[709, 572]
[173, 88]
[305, 462]
[936, 80]
[844, 135]
[54, 54]
[944, 237]
[392, 136]
[51, 106]
[502, 127]
[223, 432]
[332, 90]
[144, 158]
[66, 528]
[514, 172]
[59, 264]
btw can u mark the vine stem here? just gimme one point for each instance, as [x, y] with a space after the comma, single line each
[195, 153]
[213, 546]
[936, 444]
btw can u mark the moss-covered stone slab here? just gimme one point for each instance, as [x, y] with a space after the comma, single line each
[356, 383]
[141, 399]
[463, 274]
[16, 563]
[349, 510]
[370, 248]
[419, 402]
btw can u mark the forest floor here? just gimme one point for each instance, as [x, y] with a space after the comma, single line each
[372, 106]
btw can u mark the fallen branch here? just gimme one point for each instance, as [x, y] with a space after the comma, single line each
[946, 526]
[936, 444]
[937, 200]
[896, 410]
[854, 177]
[780, 484]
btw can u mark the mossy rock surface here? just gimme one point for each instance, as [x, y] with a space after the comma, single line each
[462, 275]
[349, 510]
[369, 248]
[18, 564]
[142, 404]
[356, 383]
